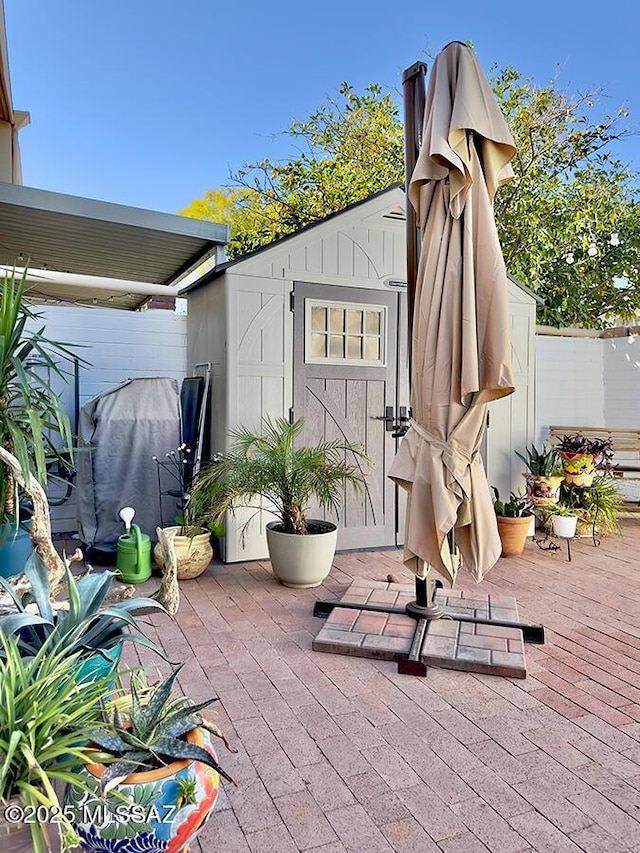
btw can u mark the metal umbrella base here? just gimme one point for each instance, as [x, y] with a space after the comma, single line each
[467, 645]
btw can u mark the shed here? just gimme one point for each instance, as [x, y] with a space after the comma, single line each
[314, 326]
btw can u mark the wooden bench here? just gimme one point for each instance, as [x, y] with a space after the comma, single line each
[626, 449]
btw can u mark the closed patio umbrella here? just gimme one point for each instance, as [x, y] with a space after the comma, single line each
[460, 341]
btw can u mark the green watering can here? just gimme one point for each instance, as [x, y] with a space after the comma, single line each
[133, 561]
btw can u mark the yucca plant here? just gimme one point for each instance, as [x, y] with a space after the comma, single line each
[84, 624]
[150, 732]
[31, 415]
[46, 718]
[269, 465]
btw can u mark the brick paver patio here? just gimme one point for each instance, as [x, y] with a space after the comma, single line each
[339, 753]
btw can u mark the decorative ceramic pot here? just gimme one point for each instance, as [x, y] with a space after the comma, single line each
[513, 534]
[302, 561]
[157, 811]
[15, 547]
[541, 490]
[579, 468]
[564, 526]
[194, 553]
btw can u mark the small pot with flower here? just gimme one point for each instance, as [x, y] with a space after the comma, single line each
[581, 456]
[543, 475]
[192, 542]
[513, 517]
[564, 521]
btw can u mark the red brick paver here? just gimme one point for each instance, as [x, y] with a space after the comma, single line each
[340, 753]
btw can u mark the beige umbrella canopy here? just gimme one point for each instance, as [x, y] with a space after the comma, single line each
[461, 352]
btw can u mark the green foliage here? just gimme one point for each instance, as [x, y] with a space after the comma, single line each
[46, 718]
[542, 463]
[268, 465]
[152, 732]
[86, 626]
[516, 507]
[30, 411]
[570, 196]
[568, 224]
[600, 503]
[351, 147]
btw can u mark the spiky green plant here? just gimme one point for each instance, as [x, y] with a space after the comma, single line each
[541, 463]
[47, 715]
[85, 625]
[152, 732]
[31, 415]
[517, 506]
[600, 503]
[269, 465]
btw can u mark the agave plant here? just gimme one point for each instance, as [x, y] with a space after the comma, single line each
[47, 716]
[151, 733]
[85, 625]
[540, 463]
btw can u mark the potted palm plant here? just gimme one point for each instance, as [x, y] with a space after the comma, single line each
[47, 715]
[162, 777]
[268, 465]
[543, 475]
[33, 425]
[513, 517]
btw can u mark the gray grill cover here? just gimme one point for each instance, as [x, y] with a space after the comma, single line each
[119, 433]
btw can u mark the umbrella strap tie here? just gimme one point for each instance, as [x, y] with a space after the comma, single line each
[448, 448]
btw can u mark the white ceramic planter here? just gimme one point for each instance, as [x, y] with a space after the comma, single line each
[301, 561]
[564, 526]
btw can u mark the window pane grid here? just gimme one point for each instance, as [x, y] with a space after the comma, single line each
[341, 333]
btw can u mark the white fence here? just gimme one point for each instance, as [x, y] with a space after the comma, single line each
[118, 345]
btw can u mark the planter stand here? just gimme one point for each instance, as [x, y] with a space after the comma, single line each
[426, 613]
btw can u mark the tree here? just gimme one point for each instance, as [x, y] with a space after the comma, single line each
[568, 223]
[347, 150]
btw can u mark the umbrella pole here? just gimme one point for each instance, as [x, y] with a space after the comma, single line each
[424, 607]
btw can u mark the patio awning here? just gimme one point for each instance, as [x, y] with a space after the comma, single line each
[87, 238]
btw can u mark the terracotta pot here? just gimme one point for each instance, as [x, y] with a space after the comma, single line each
[302, 561]
[543, 490]
[513, 534]
[194, 553]
[158, 819]
[579, 469]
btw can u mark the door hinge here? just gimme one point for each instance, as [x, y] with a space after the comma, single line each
[488, 419]
[291, 416]
[292, 297]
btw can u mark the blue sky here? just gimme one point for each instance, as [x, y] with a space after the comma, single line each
[150, 102]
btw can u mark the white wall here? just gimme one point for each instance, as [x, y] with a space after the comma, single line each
[569, 384]
[622, 382]
[119, 345]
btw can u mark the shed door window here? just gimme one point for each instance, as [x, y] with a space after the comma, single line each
[345, 333]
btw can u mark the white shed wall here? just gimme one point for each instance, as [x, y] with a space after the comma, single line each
[119, 345]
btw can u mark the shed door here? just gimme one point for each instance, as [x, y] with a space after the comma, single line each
[345, 364]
